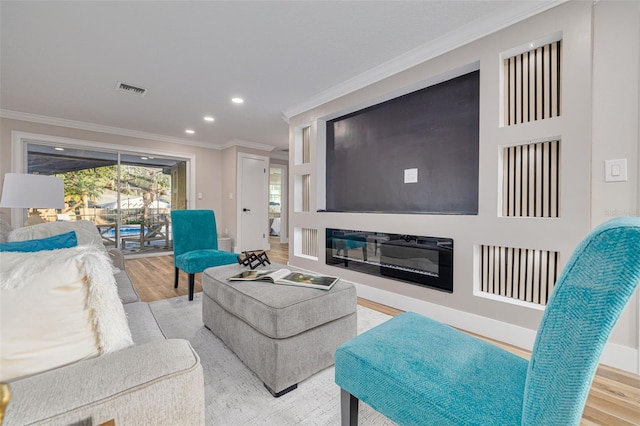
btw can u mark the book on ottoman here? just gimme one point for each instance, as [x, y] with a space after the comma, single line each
[286, 277]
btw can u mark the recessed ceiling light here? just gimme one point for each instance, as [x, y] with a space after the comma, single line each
[57, 148]
[190, 131]
[208, 118]
[237, 100]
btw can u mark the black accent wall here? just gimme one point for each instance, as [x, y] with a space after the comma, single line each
[435, 129]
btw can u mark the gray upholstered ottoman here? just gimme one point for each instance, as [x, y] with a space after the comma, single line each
[284, 334]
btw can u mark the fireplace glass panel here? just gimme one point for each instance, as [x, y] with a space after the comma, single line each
[419, 260]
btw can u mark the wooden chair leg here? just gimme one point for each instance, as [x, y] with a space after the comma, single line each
[192, 285]
[348, 409]
[175, 281]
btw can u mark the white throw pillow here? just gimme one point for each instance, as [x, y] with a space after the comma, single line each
[86, 232]
[57, 307]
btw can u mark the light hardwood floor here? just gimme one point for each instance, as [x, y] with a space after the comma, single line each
[614, 398]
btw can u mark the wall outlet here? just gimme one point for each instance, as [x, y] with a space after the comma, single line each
[410, 175]
[615, 170]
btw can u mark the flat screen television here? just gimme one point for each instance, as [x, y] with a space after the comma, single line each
[429, 137]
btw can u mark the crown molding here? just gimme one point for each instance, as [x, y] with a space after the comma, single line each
[465, 35]
[247, 144]
[279, 155]
[81, 125]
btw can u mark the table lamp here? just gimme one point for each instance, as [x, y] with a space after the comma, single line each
[24, 191]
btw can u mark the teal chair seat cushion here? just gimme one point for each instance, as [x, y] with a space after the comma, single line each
[196, 261]
[417, 371]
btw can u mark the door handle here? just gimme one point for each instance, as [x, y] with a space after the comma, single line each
[246, 210]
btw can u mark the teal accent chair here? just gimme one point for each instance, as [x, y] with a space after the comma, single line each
[417, 371]
[195, 244]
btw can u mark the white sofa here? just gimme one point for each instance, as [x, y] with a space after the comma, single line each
[156, 381]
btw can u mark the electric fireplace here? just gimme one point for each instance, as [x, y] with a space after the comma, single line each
[415, 259]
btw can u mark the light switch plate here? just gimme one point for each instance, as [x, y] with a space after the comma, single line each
[410, 175]
[615, 170]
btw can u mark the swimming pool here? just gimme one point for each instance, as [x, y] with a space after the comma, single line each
[125, 231]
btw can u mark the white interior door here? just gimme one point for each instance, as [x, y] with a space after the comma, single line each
[253, 202]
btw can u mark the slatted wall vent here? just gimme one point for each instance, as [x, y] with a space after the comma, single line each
[309, 242]
[524, 274]
[306, 192]
[532, 83]
[306, 145]
[531, 180]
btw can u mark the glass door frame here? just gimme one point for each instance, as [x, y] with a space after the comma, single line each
[19, 141]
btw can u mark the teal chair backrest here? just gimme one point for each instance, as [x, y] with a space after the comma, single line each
[193, 230]
[587, 302]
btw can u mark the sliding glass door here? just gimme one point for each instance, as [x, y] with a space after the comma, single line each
[145, 203]
[128, 196]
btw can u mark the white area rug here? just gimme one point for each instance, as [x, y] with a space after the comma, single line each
[235, 396]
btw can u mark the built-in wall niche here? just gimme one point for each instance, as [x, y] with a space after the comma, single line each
[531, 180]
[302, 145]
[305, 242]
[532, 83]
[526, 275]
[302, 188]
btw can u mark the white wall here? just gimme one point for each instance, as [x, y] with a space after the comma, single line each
[208, 162]
[511, 323]
[616, 88]
[615, 106]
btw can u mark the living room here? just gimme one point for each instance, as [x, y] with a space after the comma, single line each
[598, 122]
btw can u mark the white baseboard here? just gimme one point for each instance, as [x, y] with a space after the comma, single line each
[614, 355]
[622, 357]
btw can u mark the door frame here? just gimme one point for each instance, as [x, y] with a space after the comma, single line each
[240, 180]
[284, 202]
[19, 141]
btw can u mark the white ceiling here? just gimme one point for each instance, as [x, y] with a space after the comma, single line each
[63, 59]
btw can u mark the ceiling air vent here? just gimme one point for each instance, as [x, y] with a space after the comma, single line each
[132, 90]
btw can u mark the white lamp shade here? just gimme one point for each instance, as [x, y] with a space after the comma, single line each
[21, 190]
